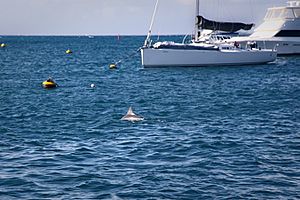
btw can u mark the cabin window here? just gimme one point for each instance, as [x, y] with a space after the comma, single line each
[268, 15]
[288, 13]
[273, 14]
[297, 12]
[282, 13]
[288, 33]
[276, 14]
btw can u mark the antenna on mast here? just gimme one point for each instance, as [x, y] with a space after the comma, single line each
[196, 22]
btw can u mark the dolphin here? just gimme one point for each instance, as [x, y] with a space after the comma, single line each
[130, 116]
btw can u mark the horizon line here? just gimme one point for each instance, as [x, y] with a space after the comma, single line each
[85, 35]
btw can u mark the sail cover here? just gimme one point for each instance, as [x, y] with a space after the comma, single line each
[222, 26]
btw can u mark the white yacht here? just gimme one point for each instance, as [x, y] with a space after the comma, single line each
[197, 53]
[281, 28]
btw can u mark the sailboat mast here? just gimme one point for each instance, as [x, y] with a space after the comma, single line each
[196, 21]
[147, 41]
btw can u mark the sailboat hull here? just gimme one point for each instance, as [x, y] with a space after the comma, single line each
[152, 57]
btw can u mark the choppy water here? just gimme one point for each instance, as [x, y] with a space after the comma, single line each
[209, 133]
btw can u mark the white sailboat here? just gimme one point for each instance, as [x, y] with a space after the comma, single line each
[169, 54]
[281, 28]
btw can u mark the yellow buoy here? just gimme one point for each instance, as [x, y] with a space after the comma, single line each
[112, 66]
[69, 51]
[49, 83]
[2, 45]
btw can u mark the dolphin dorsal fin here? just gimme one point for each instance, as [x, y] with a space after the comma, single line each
[130, 116]
[130, 112]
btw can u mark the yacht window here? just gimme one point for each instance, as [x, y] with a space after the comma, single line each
[297, 13]
[288, 14]
[271, 14]
[282, 13]
[288, 33]
[275, 14]
[268, 15]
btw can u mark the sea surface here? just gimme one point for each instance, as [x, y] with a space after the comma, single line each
[209, 133]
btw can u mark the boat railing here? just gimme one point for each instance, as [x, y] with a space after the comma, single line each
[184, 39]
[293, 3]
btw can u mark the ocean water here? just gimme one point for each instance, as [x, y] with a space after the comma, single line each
[209, 132]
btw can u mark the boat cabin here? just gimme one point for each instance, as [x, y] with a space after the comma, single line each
[292, 11]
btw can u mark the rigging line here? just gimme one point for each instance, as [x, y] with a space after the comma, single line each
[218, 25]
[114, 65]
[151, 24]
[252, 11]
[129, 56]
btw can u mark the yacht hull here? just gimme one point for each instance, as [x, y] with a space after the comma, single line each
[280, 30]
[152, 57]
[284, 47]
